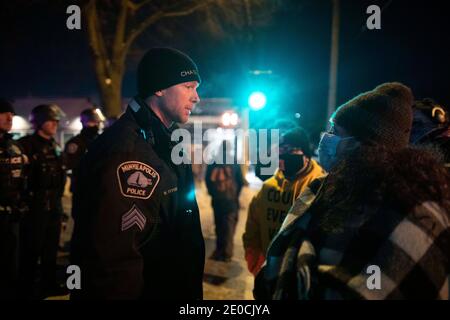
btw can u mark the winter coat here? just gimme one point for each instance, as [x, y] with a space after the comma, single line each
[268, 209]
[137, 225]
[390, 243]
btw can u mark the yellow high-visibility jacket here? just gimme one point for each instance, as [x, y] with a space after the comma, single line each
[268, 209]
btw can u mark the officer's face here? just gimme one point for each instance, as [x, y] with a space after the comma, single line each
[50, 127]
[6, 119]
[178, 101]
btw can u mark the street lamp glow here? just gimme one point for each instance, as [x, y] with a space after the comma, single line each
[229, 119]
[19, 123]
[257, 100]
[226, 119]
[75, 125]
[234, 119]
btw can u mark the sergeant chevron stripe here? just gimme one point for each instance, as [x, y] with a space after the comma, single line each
[133, 217]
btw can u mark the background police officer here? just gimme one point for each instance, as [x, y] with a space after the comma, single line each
[91, 120]
[41, 228]
[137, 225]
[12, 184]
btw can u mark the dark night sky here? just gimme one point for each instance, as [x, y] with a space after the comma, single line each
[40, 57]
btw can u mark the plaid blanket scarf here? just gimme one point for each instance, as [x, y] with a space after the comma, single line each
[381, 254]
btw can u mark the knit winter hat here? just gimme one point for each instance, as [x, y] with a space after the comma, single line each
[381, 116]
[297, 138]
[161, 68]
[6, 106]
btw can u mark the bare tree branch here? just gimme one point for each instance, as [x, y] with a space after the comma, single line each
[188, 11]
[144, 25]
[96, 39]
[106, 58]
[111, 32]
[165, 13]
[137, 6]
[119, 39]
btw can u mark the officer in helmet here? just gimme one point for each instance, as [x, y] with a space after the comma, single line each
[40, 229]
[12, 183]
[91, 119]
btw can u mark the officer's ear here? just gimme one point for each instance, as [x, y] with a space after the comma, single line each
[159, 93]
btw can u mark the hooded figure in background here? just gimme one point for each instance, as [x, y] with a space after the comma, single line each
[224, 181]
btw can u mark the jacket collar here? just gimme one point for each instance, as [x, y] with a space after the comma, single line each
[41, 139]
[150, 126]
[6, 136]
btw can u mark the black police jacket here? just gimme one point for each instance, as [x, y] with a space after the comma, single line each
[45, 173]
[137, 225]
[75, 148]
[12, 175]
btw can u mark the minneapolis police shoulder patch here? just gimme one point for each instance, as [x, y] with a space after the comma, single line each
[137, 179]
[72, 148]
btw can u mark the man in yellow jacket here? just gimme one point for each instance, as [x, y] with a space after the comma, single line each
[269, 207]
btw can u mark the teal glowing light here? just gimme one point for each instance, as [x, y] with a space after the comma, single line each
[257, 100]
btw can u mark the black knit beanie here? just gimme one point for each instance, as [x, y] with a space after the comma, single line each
[297, 138]
[381, 116]
[161, 68]
[6, 106]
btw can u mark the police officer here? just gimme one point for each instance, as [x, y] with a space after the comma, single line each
[12, 184]
[91, 120]
[137, 226]
[41, 228]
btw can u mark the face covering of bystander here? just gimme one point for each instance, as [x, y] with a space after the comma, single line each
[328, 149]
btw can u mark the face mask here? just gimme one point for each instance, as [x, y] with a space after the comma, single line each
[292, 164]
[91, 131]
[327, 150]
